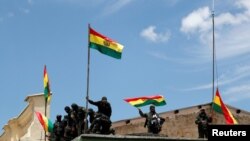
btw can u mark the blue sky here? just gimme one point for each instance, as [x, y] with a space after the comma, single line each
[167, 51]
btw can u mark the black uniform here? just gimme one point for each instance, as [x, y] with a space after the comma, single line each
[202, 121]
[58, 129]
[153, 120]
[101, 122]
[104, 106]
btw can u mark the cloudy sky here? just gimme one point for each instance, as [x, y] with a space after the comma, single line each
[167, 51]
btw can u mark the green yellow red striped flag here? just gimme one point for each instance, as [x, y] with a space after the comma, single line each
[157, 100]
[104, 44]
[46, 85]
[45, 122]
[220, 107]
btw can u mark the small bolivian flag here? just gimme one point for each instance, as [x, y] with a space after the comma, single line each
[157, 100]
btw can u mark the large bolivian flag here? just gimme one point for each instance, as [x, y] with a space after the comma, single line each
[220, 107]
[104, 44]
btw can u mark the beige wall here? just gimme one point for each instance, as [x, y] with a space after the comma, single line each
[181, 124]
[26, 126]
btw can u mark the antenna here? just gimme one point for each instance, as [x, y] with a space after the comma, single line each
[213, 6]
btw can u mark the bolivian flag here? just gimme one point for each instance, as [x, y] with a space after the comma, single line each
[157, 100]
[45, 122]
[220, 107]
[104, 44]
[46, 85]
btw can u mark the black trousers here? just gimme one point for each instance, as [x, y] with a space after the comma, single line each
[203, 133]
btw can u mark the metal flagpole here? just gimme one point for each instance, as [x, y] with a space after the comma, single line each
[87, 94]
[45, 116]
[212, 111]
[46, 100]
[213, 50]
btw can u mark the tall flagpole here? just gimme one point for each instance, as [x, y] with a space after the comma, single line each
[87, 94]
[46, 98]
[213, 51]
[212, 111]
[45, 113]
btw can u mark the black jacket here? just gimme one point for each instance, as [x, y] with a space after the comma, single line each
[104, 108]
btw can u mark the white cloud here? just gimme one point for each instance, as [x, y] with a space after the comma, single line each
[200, 20]
[230, 19]
[237, 93]
[243, 4]
[116, 6]
[150, 34]
[231, 31]
[239, 73]
[159, 55]
[196, 21]
[177, 60]
[233, 42]
[106, 7]
[237, 89]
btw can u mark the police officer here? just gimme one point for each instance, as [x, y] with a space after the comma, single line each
[58, 129]
[68, 111]
[202, 120]
[103, 105]
[91, 114]
[70, 130]
[102, 116]
[152, 128]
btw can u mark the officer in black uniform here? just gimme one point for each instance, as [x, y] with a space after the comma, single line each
[153, 120]
[58, 129]
[101, 123]
[103, 106]
[202, 120]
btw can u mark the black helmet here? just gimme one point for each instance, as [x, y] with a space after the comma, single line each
[59, 117]
[152, 106]
[74, 106]
[67, 109]
[90, 110]
[104, 98]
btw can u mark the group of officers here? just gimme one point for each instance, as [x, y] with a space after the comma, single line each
[74, 122]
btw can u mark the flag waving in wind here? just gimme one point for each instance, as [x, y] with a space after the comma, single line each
[46, 85]
[104, 44]
[45, 122]
[220, 107]
[157, 100]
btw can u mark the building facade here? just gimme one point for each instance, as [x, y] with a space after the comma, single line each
[26, 126]
[180, 122]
